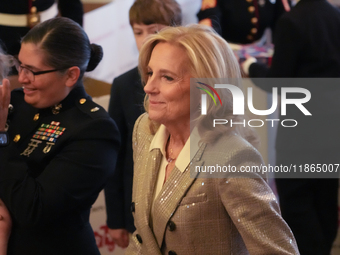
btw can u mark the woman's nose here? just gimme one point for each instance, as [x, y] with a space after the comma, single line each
[22, 78]
[150, 86]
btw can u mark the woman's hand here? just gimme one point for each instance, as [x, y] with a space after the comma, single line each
[5, 228]
[120, 237]
[5, 96]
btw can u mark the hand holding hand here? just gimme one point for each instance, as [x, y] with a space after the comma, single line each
[120, 237]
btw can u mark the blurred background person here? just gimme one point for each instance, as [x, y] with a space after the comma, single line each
[18, 16]
[126, 105]
[307, 45]
[61, 147]
[175, 213]
[241, 22]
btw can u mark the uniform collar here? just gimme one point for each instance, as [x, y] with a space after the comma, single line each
[75, 95]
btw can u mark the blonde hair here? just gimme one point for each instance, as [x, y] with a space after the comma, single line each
[210, 57]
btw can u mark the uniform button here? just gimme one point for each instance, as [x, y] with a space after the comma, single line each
[82, 101]
[36, 117]
[250, 37]
[16, 138]
[249, 1]
[253, 30]
[171, 225]
[133, 207]
[139, 238]
[10, 108]
[172, 253]
[251, 8]
[254, 20]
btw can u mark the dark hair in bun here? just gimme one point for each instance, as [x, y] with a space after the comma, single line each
[96, 56]
[66, 44]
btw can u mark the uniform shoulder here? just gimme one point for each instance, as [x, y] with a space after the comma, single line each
[90, 108]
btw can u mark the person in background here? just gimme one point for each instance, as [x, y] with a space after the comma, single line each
[241, 21]
[307, 46]
[58, 147]
[17, 17]
[15, 21]
[126, 104]
[176, 209]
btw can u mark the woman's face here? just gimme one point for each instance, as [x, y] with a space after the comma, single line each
[168, 85]
[47, 89]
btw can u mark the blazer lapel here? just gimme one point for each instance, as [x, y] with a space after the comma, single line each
[171, 195]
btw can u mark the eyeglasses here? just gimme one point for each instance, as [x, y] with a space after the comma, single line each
[30, 74]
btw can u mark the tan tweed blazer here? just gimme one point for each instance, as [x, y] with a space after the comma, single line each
[202, 216]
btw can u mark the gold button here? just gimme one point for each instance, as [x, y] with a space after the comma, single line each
[249, 1]
[16, 138]
[34, 9]
[250, 37]
[254, 20]
[36, 117]
[34, 20]
[82, 101]
[253, 30]
[251, 8]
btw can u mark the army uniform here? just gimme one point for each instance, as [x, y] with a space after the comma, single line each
[241, 21]
[14, 13]
[57, 162]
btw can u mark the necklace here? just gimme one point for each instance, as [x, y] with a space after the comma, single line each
[170, 158]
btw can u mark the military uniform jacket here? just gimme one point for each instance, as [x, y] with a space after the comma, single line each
[202, 216]
[242, 21]
[52, 171]
[10, 36]
[307, 45]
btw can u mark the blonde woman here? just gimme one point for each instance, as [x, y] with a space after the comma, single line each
[180, 211]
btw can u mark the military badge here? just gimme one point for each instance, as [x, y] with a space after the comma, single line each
[46, 132]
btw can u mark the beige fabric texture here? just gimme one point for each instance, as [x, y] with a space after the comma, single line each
[231, 215]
